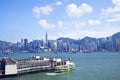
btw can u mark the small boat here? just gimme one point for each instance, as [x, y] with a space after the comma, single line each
[68, 66]
[52, 73]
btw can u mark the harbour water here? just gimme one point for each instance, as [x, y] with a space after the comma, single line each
[88, 66]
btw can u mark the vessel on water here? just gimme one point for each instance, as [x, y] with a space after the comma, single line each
[13, 67]
[68, 65]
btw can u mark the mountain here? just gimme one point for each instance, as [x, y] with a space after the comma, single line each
[66, 39]
[116, 35]
[87, 40]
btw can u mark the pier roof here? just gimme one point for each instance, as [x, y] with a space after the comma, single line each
[8, 61]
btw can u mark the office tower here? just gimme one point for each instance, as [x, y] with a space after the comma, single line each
[46, 40]
[25, 44]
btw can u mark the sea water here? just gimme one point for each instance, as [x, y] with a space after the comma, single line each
[88, 66]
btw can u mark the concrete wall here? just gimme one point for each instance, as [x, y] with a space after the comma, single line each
[10, 69]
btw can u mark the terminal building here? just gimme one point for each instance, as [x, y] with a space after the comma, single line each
[12, 67]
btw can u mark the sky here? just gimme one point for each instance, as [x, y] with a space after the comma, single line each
[75, 19]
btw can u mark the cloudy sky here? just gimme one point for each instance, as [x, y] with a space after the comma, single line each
[75, 19]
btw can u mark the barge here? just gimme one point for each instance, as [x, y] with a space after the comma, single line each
[14, 67]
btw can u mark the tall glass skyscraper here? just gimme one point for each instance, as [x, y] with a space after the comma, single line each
[46, 40]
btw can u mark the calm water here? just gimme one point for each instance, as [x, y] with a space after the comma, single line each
[93, 66]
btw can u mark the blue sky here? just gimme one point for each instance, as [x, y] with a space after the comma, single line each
[75, 19]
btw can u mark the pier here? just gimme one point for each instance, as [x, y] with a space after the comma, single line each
[10, 66]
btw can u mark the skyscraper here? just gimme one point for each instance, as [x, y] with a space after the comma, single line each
[46, 40]
[25, 44]
[118, 44]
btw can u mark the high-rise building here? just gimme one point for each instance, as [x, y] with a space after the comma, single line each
[25, 44]
[21, 40]
[46, 40]
[118, 44]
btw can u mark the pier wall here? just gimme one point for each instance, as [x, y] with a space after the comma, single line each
[10, 69]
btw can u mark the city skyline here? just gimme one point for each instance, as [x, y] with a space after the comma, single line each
[86, 45]
[46, 38]
[76, 19]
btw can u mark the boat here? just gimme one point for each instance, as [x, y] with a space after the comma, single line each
[68, 66]
[52, 73]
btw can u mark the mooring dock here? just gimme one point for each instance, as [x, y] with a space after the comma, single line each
[10, 66]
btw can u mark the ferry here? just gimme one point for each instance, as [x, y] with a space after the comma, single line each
[13, 67]
[68, 66]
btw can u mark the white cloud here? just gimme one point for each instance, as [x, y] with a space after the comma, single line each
[36, 12]
[112, 14]
[43, 23]
[58, 3]
[60, 23]
[45, 10]
[112, 20]
[117, 2]
[80, 24]
[59, 34]
[73, 10]
[93, 22]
